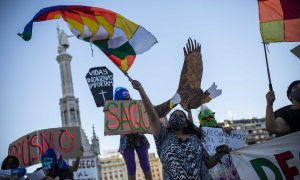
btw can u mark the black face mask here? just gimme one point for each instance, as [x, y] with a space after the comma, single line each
[176, 123]
[296, 95]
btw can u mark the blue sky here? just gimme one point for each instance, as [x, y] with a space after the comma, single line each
[232, 53]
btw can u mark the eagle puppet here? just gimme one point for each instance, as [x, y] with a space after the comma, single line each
[189, 93]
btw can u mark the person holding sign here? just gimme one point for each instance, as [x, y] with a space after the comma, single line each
[180, 145]
[131, 142]
[54, 165]
[287, 119]
[225, 169]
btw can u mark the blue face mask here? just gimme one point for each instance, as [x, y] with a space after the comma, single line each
[48, 163]
[176, 122]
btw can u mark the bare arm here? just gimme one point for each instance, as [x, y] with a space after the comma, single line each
[153, 117]
[278, 125]
[216, 158]
[212, 161]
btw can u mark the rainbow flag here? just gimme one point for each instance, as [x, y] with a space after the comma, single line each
[119, 38]
[279, 20]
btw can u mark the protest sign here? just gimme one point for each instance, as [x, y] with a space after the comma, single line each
[127, 117]
[274, 159]
[216, 136]
[100, 81]
[87, 170]
[29, 148]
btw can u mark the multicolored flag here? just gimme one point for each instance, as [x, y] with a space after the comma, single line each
[119, 38]
[279, 20]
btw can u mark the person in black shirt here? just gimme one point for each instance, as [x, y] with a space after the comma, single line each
[286, 120]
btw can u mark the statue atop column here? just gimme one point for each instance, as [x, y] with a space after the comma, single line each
[63, 42]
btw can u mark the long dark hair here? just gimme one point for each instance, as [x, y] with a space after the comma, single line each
[15, 162]
[191, 128]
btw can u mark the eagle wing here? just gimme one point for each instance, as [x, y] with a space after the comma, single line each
[189, 87]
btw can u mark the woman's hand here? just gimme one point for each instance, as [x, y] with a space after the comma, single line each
[223, 149]
[136, 85]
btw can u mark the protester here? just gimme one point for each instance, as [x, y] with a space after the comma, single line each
[225, 169]
[10, 169]
[207, 118]
[131, 142]
[287, 119]
[55, 167]
[180, 145]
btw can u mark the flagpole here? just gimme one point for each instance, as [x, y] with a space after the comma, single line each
[268, 71]
[126, 74]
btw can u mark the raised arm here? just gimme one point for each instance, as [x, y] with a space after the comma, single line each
[274, 125]
[153, 117]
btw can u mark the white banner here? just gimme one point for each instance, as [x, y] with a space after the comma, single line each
[278, 158]
[88, 169]
[216, 136]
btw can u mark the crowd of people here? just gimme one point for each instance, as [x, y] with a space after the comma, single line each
[53, 167]
[179, 144]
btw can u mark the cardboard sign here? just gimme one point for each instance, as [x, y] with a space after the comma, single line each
[274, 159]
[125, 117]
[215, 137]
[100, 81]
[29, 148]
[87, 170]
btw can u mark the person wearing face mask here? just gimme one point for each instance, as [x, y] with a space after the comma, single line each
[138, 142]
[55, 167]
[286, 120]
[179, 146]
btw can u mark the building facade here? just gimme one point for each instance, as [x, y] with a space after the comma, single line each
[156, 168]
[114, 168]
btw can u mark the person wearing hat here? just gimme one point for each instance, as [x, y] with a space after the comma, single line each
[55, 166]
[133, 142]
